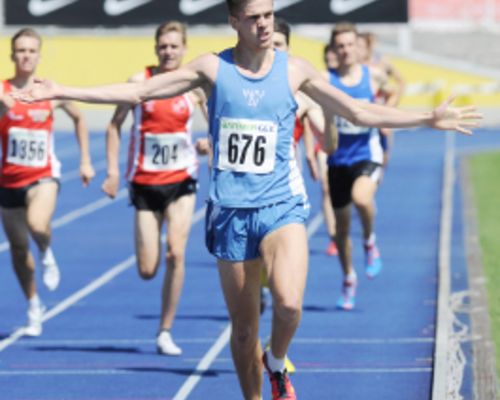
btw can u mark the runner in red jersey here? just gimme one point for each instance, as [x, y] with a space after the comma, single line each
[161, 172]
[30, 172]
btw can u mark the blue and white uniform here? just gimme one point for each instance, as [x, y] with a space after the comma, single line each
[356, 143]
[255, 183]
[359, 151]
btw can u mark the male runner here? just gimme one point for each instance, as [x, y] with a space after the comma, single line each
[162, 174]
[30, 173]
[355, 168]
[258, 206]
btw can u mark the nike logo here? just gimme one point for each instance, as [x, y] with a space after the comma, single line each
[39, 8]
[192, 7]
[115, 8]
[341, 7]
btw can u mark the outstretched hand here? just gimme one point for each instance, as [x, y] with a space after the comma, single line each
[42, 89]
[460, 119]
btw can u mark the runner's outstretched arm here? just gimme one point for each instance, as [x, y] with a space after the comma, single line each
[199, 73]
[444, 117]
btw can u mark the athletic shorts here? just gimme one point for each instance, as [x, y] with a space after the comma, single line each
[16, 197]
[341, 180]
[235, 234]
[158, 197]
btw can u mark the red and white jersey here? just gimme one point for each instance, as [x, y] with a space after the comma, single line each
[27, 144]
[161, 149]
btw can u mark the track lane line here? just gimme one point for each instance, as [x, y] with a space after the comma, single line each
[88, 289]
[223, 339]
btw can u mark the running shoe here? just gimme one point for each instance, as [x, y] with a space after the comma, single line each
[332, 250]
[347, 299]
[35, 316]
[51, 275]
[280, 383]
[373, 262]
[165, 344]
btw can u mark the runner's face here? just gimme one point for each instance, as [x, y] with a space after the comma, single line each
[26, 54]
[279, 41]
[170, 50]
[255, 23]
[345, 48]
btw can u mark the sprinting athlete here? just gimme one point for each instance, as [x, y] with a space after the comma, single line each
[356, 167]
[162, 175]
[257, 202]
[30, 172]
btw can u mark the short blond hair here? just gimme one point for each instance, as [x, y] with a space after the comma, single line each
[172, 26]
[25, 32]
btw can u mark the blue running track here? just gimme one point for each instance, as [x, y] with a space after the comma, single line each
[99, 335]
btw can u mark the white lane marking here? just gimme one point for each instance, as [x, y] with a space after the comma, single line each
[311, 341]
[223, 339]
[117, 371]
[85, 291]
[204, 364]
[79, 213]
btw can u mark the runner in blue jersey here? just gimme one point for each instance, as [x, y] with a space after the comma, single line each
[356, 167]
[257, 200]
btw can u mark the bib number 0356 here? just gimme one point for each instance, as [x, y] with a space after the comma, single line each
[247, 145]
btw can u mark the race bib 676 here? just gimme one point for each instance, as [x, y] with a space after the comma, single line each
[247, 145]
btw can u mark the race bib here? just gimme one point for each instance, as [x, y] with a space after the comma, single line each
[348, 128]
[167, 152]
[247, 145]
[28, 147]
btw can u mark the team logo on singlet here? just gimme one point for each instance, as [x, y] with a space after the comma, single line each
[15, 117]
[253, 96]
[39, 115]
[179, 106]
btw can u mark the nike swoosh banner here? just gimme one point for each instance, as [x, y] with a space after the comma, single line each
[114, 13]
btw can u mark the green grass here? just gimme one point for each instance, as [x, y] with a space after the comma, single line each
[485, 172]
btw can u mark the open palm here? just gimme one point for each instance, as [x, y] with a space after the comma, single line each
[460, 119]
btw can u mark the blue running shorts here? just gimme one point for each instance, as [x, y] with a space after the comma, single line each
[234, 234]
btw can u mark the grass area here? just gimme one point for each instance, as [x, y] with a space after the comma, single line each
[484, 174]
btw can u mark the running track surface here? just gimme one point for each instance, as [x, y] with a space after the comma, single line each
[98, 340]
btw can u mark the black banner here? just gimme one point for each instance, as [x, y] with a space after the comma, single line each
[114, 13]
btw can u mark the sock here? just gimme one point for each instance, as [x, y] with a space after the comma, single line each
[47, 256]
[351, 277]
[35, 302]
[275, 364]
[371, 240]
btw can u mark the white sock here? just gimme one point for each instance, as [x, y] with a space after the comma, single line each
[47, 256]
[275, 364]
[35, 302]
[351, 277]
[371, 240]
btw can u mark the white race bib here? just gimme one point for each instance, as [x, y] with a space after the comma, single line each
[28, 147]
[167, 152]
[247, 145]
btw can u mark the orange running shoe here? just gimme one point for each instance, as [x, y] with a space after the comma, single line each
[280, 383]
